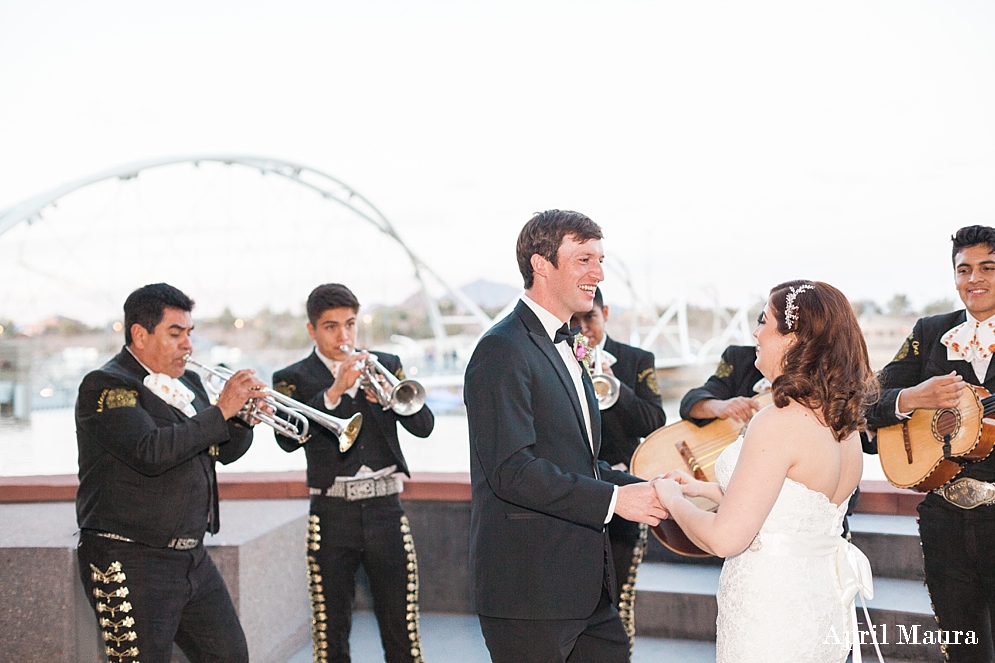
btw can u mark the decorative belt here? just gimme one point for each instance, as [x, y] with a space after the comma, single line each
[968, 493]
[361, 489]
[175, 544]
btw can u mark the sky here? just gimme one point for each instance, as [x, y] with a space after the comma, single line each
[722, 146]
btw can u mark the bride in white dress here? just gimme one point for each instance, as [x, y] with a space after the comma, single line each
[788, 583]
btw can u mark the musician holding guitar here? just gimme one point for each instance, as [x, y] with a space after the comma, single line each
[729, 392]
[926, 381]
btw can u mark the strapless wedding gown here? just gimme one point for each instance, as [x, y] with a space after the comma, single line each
[783, 599]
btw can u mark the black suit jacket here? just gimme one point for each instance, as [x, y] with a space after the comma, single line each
[307, 381]
[145, 468]
[735, 375]
[537, 542]
[639, 409]
[921, 357]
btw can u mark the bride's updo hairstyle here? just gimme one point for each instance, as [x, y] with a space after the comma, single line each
[826, 369]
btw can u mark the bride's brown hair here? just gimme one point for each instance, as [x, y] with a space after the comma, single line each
[826, 369]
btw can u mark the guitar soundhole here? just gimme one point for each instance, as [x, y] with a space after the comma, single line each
[946, 422]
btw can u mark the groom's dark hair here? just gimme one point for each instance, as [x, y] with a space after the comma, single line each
[544, 233]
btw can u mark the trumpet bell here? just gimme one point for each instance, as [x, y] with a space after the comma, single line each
[606, 390]
[407, 398]
[349, 432]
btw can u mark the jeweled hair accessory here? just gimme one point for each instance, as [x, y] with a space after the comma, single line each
[790, 308]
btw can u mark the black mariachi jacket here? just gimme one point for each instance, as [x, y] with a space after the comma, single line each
[735, 375]
[306, 381]
[639, 409]
[921, 357]
[146, 470]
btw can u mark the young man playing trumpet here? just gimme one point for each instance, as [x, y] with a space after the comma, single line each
[636, 413]
[356, 515]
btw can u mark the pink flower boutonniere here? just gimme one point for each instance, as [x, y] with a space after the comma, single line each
[582, 351]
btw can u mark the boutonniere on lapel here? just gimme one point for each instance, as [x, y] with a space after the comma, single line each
[582, 351]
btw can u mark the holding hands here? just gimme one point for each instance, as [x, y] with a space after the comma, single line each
[679, 484]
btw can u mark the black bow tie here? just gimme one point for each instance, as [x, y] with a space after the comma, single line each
[565, 333]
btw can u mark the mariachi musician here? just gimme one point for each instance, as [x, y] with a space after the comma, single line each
[636, 413]
[943, 354]
[356, 515]
[729, 392]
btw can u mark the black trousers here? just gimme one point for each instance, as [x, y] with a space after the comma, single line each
[958, 549]
[147, 598]
[598, 639]
[373, 533]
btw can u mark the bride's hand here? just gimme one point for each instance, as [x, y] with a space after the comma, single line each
[690, 486]
[667, 489]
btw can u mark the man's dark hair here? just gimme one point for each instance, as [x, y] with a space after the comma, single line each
[328, 296]
[972, 236]
[146, 306]
[599, 301]
[544, 233]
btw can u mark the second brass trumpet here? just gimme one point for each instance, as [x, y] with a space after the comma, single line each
[404, 397]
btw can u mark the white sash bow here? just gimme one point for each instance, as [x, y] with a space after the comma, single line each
[852, 567]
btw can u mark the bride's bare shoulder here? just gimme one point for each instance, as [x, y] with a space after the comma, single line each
[774, 423]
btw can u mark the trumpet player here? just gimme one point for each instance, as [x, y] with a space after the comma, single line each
[637, 413]
[148, 441]
[356, 514]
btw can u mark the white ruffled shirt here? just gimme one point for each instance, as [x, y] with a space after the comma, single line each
[168, 388]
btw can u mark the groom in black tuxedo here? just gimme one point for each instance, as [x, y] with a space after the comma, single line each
[539, 554]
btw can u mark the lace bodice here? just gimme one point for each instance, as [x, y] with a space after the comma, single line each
[798, 508]
[777, 608]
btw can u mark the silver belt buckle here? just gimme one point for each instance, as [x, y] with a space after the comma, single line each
[360, 490]
[968, 493]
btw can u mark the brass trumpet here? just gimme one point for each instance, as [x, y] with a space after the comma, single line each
[606, 387]
[404, 397]
[295, 416]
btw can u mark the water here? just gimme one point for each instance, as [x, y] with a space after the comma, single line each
[48, 446]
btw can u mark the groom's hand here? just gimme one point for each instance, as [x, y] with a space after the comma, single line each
[639, 502]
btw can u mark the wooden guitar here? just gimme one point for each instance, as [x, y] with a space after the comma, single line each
[923, 451]
[685, 446]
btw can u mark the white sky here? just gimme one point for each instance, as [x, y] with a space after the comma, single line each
[722, 146]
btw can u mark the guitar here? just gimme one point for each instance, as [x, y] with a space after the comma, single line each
[923, 451]
[685, 446]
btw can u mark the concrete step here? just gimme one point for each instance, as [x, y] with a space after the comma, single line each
[449, 638]
[891, 543]
[677, 601]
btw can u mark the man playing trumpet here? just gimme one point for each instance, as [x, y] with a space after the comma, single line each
[637, 412]
[356, 515]
[148, 441]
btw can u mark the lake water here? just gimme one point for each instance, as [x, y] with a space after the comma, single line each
[48, 446]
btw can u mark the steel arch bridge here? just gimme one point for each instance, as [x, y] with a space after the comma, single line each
[669, 333]
[330, 188]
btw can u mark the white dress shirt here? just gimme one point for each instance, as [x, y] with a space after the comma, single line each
[551, 324]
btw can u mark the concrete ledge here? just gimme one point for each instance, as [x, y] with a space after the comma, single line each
[875, 496]
[422, 486]
[46, 617]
